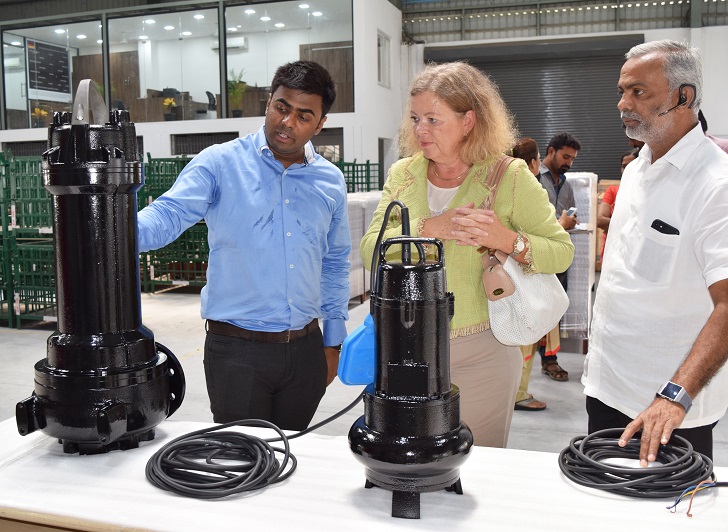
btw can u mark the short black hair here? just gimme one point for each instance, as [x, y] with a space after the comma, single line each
[308, 77]
[560, 140]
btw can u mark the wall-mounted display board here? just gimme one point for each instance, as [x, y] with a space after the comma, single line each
[49, 71]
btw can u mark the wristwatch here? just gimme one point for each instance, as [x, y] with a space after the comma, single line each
[677, 394]
[518, 246]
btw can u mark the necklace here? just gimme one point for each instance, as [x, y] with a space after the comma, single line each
[438, 176]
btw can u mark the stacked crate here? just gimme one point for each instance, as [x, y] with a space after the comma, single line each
[6, 289]
[184, 261]
[361, 177]
[30, 239]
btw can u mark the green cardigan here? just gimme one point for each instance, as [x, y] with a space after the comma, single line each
[521, 205]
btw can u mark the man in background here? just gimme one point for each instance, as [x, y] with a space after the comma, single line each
[560, 154]
[659, 335]
[278, 232]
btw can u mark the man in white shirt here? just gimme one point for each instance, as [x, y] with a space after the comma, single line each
[659, 339]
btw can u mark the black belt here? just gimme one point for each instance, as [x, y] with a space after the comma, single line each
[283, 337]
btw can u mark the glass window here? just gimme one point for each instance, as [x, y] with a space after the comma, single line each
[383, 62]
[162, 66]
[262, 37]
[165, 65]
[43, 67]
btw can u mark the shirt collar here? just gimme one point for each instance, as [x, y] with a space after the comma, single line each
[261, 144]
[545, 172]
[681, 152]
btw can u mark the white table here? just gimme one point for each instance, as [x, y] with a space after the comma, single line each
[503, 490]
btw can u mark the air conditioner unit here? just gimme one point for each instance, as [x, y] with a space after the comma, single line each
[11, 62]
[233, 43]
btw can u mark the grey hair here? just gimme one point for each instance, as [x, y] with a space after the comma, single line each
[681, 62]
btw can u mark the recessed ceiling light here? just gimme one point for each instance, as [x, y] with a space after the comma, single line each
[16, 43]
[186, 33]
[143, 37]
[169, 28]
[317, 13]
[99, 41]
[280, 25]
[150, 21]
[265, 19]
[250, 11]
[80, 36]
[232, 29]
[303, 6]
[199, 17]
[59, 31]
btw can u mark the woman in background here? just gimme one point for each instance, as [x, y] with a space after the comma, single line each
[457, 127]
[527, 149]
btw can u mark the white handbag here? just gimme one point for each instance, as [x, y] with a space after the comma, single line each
[522, 307]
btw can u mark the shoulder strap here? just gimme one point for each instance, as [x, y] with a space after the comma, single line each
[494, 178]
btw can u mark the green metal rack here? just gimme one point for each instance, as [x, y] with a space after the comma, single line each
[180, 263]
[361, 177]
[34, 291]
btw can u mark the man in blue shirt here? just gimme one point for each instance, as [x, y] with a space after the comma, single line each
[278, 233]
[561, 152]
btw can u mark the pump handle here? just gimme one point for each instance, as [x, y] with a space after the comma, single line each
[81, 109]
[418, 241]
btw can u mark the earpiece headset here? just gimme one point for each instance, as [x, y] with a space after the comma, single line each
[682, 100]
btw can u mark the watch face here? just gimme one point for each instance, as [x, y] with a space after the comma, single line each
[671, 390]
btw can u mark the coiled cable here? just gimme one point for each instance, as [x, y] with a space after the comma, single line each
[682, 467]
[212, 463]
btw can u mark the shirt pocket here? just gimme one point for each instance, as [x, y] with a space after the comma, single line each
[652, 256]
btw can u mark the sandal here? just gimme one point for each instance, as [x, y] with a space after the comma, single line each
[555, 372]
[530, 404]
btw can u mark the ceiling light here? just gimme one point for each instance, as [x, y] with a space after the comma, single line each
[80, 36]
[317, 13]
[186, 33]
[16, 43]
[303, 6]
[168, 28]
[265, 18]
[150, 21]
[99, 41]
[143, 37]
[199, 17]
[232, 29]
[59, 31]
[250, 11]
[280, 25]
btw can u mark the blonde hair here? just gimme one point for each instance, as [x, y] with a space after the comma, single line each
[464, 88]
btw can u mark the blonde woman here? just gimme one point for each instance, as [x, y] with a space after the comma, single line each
[455, 129]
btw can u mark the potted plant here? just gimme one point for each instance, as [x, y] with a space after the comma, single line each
[236, 87]
[39, 115]
[168, 104]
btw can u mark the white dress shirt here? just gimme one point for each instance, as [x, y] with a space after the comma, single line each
[653, 299]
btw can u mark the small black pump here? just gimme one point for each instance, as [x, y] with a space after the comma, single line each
[105, 384]
[411, 438]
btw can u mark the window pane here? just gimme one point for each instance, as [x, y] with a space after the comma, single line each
[262, 37]
[43, 66]
[162, 66]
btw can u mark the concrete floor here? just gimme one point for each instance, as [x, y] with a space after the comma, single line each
[174, 318]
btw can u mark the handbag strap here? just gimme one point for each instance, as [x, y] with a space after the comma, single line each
[493, 182]
[495, 177]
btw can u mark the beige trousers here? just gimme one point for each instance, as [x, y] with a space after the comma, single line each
[487, 373]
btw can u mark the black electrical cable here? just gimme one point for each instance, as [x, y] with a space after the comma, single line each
[682, 467]
[210, 464]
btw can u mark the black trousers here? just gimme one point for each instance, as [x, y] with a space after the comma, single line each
[602, 417]
[563, 279]
[280, 383]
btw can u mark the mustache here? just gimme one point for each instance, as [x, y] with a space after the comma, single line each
[630, 116]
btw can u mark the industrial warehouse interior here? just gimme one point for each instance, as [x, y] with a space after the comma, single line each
[100, 431]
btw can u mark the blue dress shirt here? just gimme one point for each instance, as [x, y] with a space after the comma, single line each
[279, 237]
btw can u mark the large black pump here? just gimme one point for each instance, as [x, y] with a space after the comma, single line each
[105, 384]
[411, 439]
